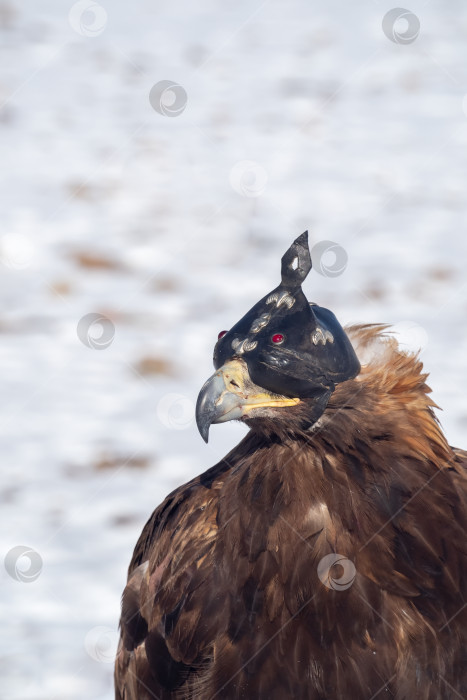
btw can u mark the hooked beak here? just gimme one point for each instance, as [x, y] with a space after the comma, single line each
[230, 395]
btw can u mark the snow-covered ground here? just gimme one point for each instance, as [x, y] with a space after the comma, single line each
[168, 220]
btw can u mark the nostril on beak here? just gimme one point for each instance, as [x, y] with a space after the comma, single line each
[234, 386]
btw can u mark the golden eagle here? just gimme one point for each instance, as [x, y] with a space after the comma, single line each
[324, 558]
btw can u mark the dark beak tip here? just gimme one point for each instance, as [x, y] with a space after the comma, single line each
[204, 432]
[216, 404]
[207, 404]
[203, 421]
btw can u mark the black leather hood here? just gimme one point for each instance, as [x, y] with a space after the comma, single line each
[291, 347]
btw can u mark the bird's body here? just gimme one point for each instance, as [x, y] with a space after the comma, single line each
[325, 563]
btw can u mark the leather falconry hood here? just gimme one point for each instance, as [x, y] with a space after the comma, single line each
[291, 347]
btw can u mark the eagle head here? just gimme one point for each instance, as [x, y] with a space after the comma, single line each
[284, 352]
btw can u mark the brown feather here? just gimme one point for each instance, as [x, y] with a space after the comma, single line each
[224, 599]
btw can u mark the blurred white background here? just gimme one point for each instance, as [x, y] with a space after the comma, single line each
[167, 219]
